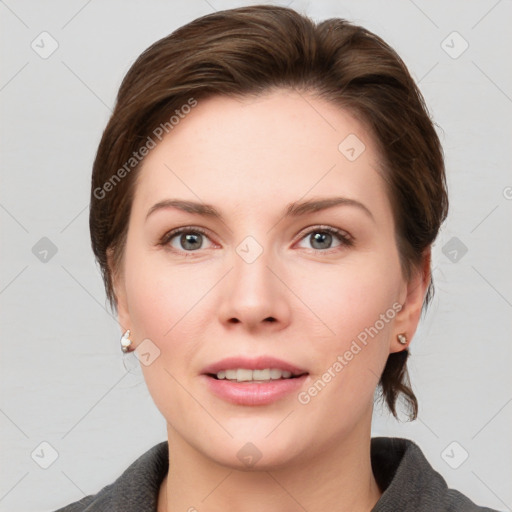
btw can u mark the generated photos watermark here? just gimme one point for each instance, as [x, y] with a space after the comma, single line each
[151, 141]
[358, 343]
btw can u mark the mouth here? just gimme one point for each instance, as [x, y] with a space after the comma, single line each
[259, 381]
[254, 376]
[244, 369]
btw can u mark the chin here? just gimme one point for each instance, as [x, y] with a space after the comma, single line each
[249, 456]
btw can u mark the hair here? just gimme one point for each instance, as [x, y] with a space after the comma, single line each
[254, 50]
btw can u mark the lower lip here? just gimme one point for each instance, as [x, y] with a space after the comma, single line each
[254, 393]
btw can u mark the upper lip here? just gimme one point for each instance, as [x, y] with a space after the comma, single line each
[259, 363]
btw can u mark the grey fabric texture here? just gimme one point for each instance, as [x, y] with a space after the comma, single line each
[408, 482]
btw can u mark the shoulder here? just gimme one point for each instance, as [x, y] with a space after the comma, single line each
[135, 490]
[409, 482]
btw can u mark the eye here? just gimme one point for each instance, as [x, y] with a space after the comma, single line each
[188, 239]
[322, 237]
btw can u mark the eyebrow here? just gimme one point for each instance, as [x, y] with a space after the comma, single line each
[295, 209]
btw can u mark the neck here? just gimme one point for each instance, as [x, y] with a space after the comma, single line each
[339, 478]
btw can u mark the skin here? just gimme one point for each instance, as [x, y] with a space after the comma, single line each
[249, 158]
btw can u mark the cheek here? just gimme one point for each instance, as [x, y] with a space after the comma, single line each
[161, 305]
[349, 298]
[150, 306]
[357, 305]
[170, 304]
[159, 293]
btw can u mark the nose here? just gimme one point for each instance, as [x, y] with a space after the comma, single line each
[254, 294]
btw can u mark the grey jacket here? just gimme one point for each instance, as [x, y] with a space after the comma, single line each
[409, 483]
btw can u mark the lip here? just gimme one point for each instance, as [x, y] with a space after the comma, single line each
[254, 393]
[258, 363]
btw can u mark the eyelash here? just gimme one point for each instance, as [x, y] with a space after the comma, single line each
[345, 239]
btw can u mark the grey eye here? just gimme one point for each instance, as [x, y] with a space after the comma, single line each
[186, 239]
[191, 241]
[321, 240]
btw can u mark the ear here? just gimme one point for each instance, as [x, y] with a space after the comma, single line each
[413, 294]
[123, 316]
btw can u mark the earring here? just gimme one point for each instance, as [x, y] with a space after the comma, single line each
[126, 341]
[402, 338]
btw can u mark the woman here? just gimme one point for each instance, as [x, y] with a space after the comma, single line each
[263, 204]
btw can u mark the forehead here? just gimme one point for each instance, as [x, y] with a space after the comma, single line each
[262, 151]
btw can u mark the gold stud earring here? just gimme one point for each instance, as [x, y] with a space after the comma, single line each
[402, 338]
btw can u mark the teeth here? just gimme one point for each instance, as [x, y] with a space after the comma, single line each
[277, 374]
[243, 374]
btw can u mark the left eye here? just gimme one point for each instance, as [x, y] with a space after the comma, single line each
[321, 238]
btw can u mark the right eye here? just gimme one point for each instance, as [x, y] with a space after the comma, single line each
[189, 239]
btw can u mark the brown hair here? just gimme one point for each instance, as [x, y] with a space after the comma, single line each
[252, 50]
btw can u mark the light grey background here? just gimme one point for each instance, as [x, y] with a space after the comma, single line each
[62, 377]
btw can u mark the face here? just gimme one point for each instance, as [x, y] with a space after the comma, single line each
[319, 289]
